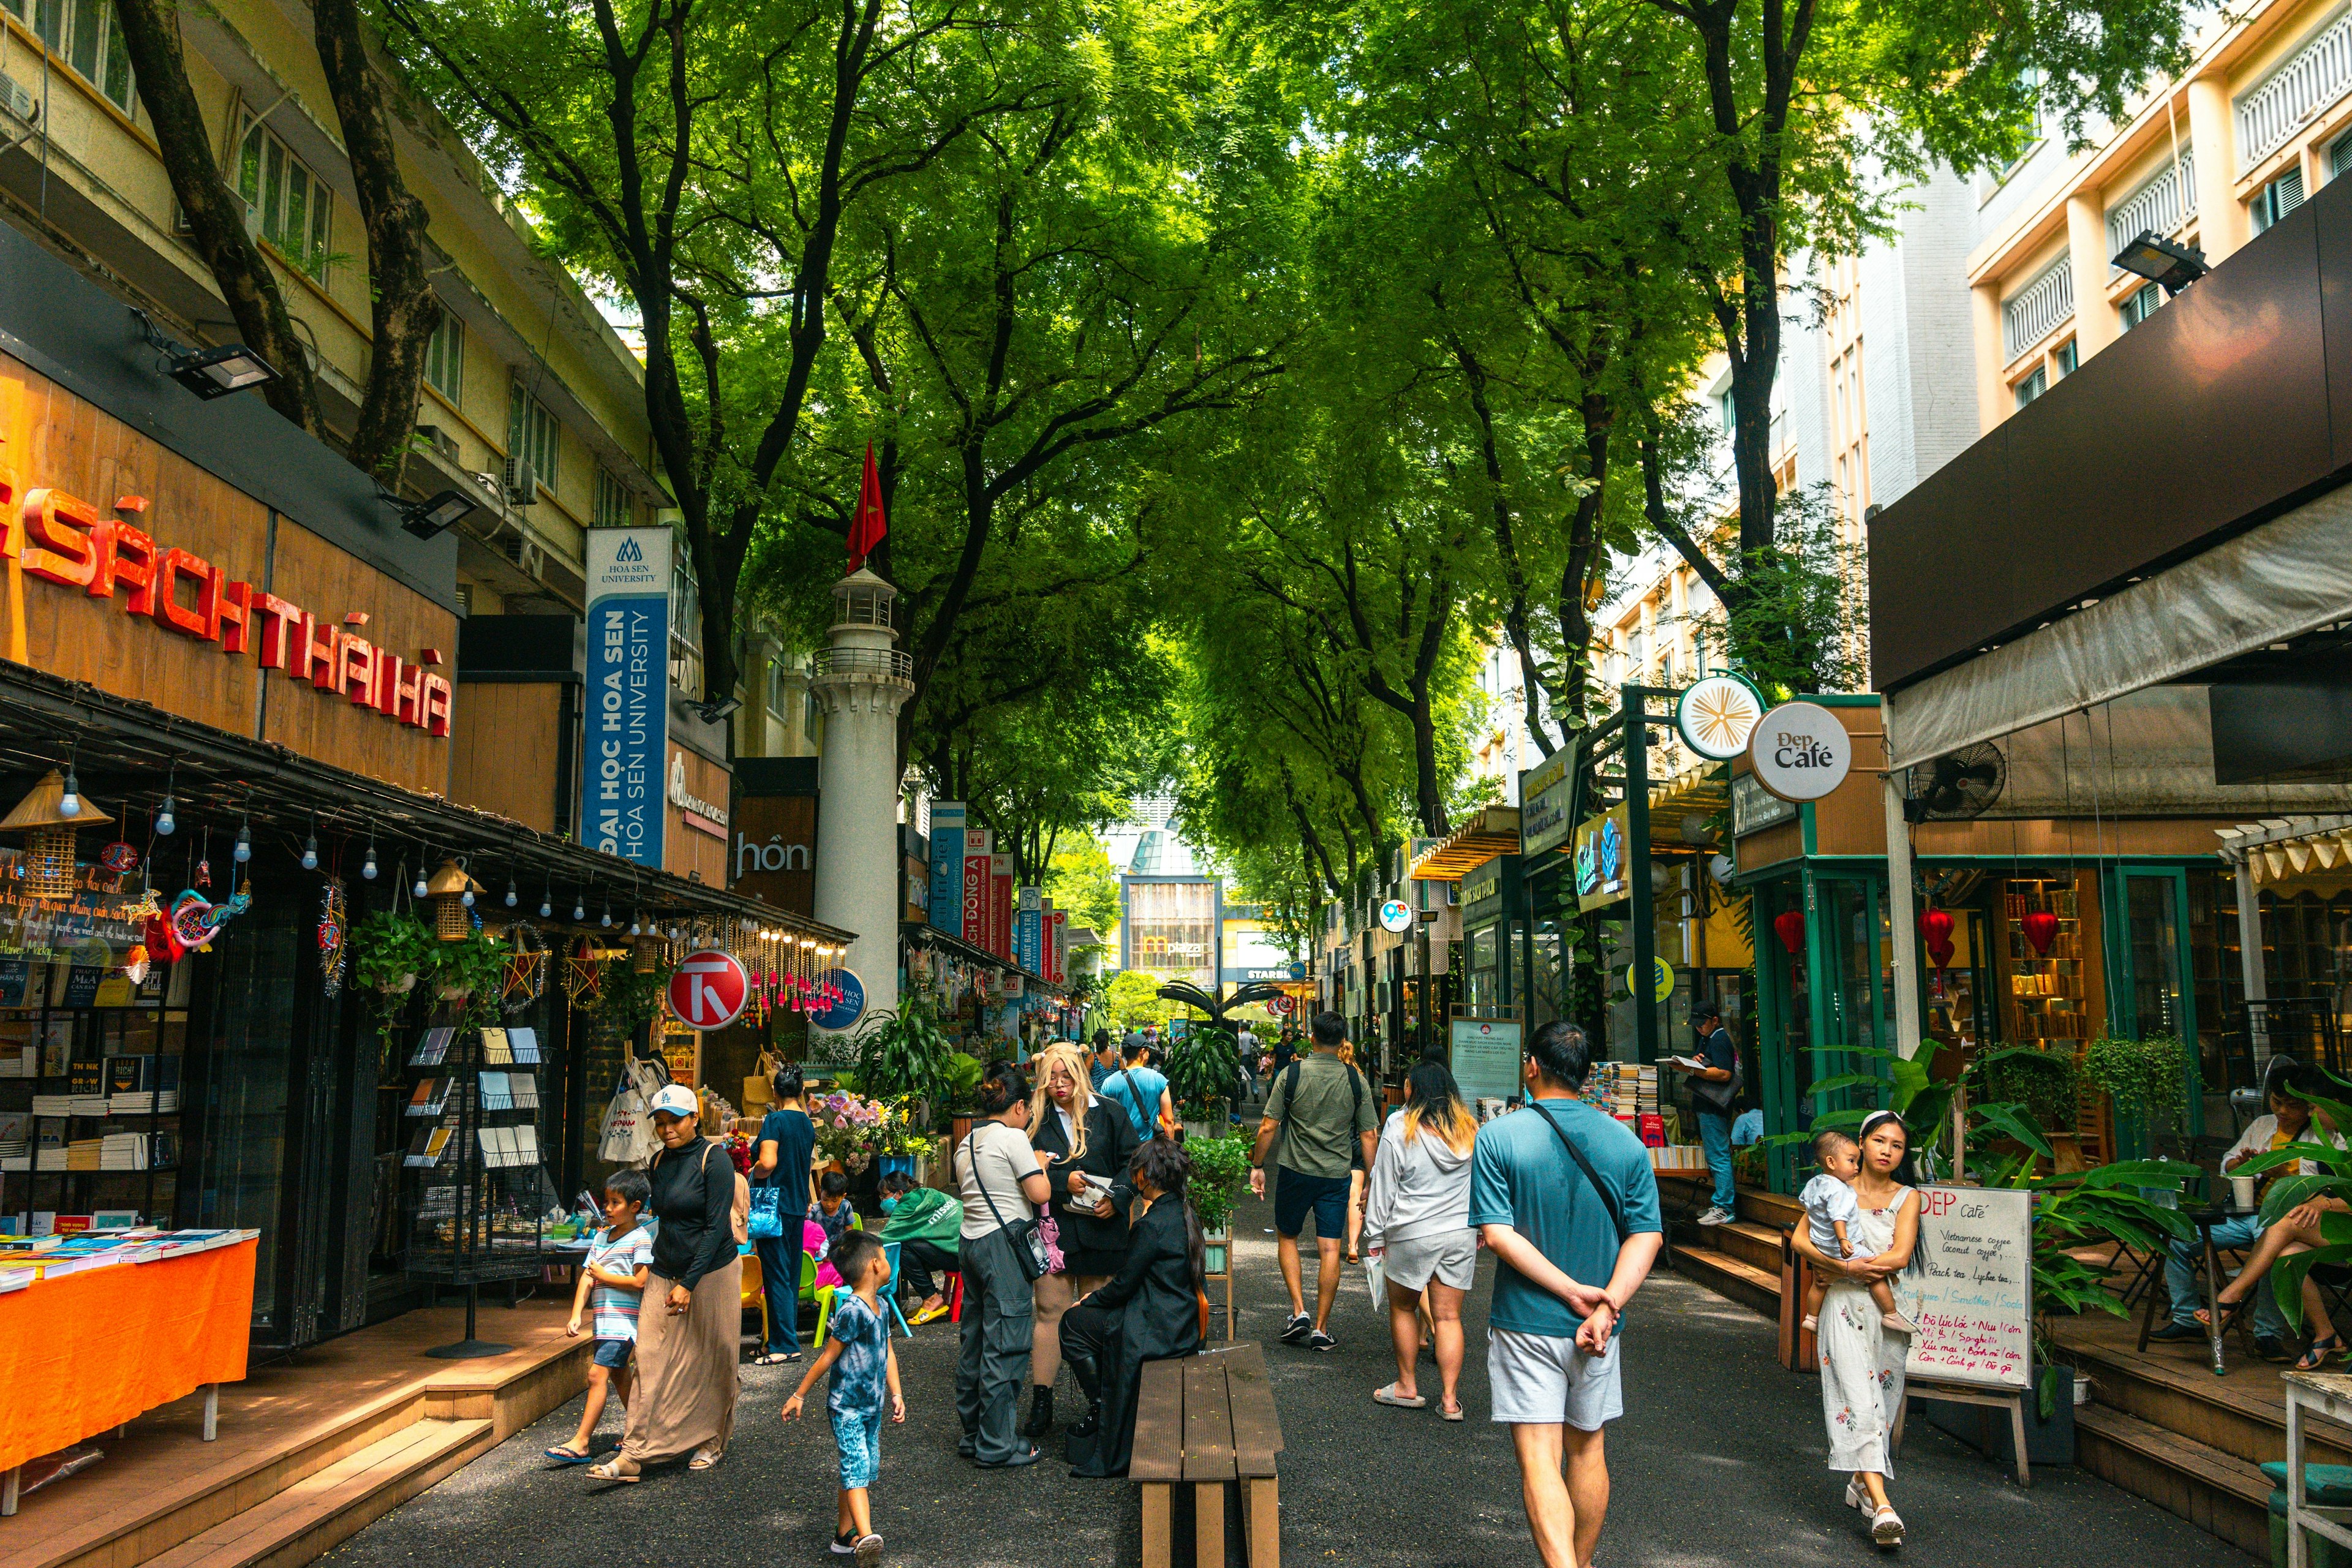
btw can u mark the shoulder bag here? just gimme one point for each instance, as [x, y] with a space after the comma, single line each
[1028, 1245]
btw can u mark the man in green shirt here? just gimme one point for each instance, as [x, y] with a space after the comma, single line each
[1325, 1118]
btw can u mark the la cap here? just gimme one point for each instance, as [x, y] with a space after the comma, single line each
[678, 1099]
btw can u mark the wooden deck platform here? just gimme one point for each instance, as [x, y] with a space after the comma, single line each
[310, 1448]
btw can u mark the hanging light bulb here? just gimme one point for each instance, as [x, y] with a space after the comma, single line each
[69, 803]
[310, 847]
[243, 850]
[466, 898]
[608, 915]
[579, 907]
[636, 926]
[367, 867]
[165, 823]
[511, 900]
[422, 890]
[547, 903]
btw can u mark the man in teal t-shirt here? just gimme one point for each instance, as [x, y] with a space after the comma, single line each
[1568, 1259]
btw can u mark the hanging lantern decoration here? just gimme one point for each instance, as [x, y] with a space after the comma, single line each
[2041, 928]
[583, 978]
[335, 925]
[49, 829]
[448, 888]
[1790, 926]
[118, 858]
[1935, 925]
[526, 970]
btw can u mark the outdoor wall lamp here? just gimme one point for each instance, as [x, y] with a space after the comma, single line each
[207, 372]
[429, 519]
[2174, 266]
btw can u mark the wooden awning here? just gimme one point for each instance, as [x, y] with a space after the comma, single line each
[1493, 831]
[1695, 795]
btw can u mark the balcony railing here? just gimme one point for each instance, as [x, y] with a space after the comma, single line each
[2040, 305]
[2316, 76]
[881, 664]
[2156, 207]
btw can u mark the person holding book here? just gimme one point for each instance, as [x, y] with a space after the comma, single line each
[612, 1288]
[1713, 1072]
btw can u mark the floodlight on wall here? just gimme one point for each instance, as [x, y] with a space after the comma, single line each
[430, 519]
[207, 372]
[2173, 266]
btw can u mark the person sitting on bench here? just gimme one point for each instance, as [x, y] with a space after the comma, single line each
[1150, 1310]
[2292, 1120]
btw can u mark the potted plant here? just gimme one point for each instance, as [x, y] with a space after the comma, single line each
[964, 1071]
[1201, 1073]
[902, 1055]
[900, 1142]
[629, 998]
[2045, 1086]
[847, 1128]
[390, 948]
[471, 970]
[1221, 1168]
[2147, 1082]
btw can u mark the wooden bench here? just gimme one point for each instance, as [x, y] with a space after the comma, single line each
[1207, 1422]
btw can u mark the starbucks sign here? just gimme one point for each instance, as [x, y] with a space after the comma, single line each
[1800, 751]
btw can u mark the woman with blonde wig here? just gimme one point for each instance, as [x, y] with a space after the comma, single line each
[1417, 1221]
[1085, 1144]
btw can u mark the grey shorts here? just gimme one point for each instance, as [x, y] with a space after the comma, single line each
[1450, 1256]
[1541, 1380]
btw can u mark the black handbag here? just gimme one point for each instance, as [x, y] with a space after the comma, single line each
[1028, 1245]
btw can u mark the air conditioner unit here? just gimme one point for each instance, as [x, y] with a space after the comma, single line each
[19, 99]
[522, 482]
[441, 441]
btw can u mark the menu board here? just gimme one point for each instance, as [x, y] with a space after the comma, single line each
[1486, 1058]
[1970, 1290]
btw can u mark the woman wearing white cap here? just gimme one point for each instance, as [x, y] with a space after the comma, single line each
[688, 1333]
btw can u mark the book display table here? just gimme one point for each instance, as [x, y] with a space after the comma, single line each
[86, 1352]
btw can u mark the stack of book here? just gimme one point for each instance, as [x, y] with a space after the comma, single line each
[431, 1093]
[426, 1150]
[496, 1095]
[122, 1152]
[53, 1105]
[49, 1146]
[434, 1048]
[496, 1051]
[16, 1141]
[504, 1146]
[525, 1089]
[84, 1154]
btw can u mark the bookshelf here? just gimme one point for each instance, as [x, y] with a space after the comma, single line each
[482, 1195]
[2048, 994]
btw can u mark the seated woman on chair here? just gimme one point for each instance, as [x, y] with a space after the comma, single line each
[1150, 1310]
[2291, 1121]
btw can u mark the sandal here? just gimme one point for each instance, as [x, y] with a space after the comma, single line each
[2316, 1356]
[1389, 1396]
[610, 1470]
[1454, 1414]
[775, 1358]
[565, 1454]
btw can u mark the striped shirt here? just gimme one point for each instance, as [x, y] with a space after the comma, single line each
[614, 1310]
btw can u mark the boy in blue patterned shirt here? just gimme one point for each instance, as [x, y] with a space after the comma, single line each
[859, 1353]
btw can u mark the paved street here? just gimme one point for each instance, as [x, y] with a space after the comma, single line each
[1719, 1461]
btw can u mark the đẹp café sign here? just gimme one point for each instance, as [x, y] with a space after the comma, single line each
[65, 541]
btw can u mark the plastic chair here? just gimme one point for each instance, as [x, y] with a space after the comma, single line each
[753, 1291]
[825, 1298]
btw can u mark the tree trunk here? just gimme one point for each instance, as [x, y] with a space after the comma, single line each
[403, 309]
[215, 213]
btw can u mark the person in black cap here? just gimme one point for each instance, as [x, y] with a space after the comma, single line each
[1713, 1073]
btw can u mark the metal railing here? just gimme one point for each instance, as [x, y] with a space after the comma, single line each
[880, 663]
[2160, 206]
[2028, 316]
[2314, 77]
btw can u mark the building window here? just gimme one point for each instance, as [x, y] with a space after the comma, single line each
[292, 209]
[2140, 305]
[81, 35]
[613, 507]
[2033, 312]
[530, 433]
[2032, 386]
[685, 627]
[2277, 199]
[2339, 156]
[1727, 411]
[445, 356]
[2065, 359]
[810, 715]
[776, 690]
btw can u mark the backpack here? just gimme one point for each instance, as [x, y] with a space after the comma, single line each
[1290, 1099]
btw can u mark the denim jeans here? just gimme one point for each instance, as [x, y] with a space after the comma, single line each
[779, 1281]
[1715, 1133]
[2180, 1277]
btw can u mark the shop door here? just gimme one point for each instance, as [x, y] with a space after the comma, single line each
[2148, 965]
[1855, 987]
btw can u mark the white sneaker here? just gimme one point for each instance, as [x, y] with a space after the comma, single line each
[1717, 1216]
[1886, 1528]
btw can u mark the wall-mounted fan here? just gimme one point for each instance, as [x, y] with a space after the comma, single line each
[1957, 785]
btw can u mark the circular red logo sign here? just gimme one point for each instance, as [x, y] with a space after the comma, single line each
[709, 989]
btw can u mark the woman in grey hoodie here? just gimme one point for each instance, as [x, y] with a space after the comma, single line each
[1417, 1221]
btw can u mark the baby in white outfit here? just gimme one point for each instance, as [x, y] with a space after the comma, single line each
[1830, 1207]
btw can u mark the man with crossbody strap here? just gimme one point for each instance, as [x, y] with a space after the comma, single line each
[1323, 1114]
[1564, 1196]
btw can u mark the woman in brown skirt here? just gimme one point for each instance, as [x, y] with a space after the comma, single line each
[690, 1328]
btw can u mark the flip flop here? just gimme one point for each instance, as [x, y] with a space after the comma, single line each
[776, 1358]
[930, 1314]
[565, 1454]
[1389, 1396]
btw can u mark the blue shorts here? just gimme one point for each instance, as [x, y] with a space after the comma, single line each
[859, 1435]
[1295, 1193]
[614, 1354]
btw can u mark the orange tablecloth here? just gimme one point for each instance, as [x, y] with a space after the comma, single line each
[84, 1354]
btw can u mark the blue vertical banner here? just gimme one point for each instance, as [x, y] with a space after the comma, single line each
[1028, 931]
[627, 716]
[946, 866]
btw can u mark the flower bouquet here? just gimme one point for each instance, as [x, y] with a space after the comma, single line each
[902, 1133]
[847, 1127]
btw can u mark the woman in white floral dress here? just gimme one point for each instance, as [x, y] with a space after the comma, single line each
[1862, 1360]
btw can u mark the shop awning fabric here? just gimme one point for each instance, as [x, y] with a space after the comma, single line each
[2269, 584]
[922, 933]
[2277, 850]
[1493, 831]
[120, 745]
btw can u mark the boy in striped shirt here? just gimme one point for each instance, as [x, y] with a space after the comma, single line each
[612, 1288]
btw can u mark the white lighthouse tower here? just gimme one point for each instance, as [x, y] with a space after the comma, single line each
[862, 680]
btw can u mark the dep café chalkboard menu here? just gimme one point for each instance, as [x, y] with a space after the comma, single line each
[1972, 1289]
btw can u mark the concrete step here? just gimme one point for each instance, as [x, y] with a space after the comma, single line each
[321, 1511]
[2218, 1492]
[1729, 1278]
[1756, 1246]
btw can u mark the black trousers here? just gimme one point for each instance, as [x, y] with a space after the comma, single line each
[1090, 1343]
[916, 1261]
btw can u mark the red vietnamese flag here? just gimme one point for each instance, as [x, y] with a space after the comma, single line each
[867, 531]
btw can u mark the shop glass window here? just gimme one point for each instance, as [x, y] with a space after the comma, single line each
[613, 507]
[2032, 386]
[292, 210]
[2141, 305]
[531, 433]
[2277, 199]
[444, 357]
[81, 35]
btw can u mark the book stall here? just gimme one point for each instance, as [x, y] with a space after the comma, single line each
[1629, 1091]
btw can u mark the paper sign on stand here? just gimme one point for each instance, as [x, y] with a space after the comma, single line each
[1972, 1292]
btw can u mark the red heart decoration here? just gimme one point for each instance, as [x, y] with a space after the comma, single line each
[2040, 929]
[1935, 925]
[1790, 925]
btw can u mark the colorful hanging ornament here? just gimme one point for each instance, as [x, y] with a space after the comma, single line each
[118, 858]
[48, 868]
[135, 963]
[1790, 926]
[526, 969]
[583, 977]
[333, 933]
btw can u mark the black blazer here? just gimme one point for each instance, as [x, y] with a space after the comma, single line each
[1153, 1300]
[1090, 1245]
